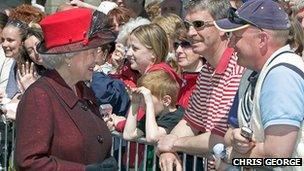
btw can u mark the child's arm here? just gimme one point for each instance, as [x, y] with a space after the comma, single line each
[153, 131]
[131, 131]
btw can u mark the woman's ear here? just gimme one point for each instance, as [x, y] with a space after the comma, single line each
[167, 100]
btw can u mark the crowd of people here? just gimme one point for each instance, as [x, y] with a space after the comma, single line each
[186, 75]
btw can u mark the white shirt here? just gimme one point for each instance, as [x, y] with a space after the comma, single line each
[5, 66]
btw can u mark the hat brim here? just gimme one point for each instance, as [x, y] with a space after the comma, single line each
[99, 39]
[226, 26]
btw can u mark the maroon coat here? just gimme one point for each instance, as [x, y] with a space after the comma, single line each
[57, 130]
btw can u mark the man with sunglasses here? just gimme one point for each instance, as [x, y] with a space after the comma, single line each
[205, 121]
[260, 30]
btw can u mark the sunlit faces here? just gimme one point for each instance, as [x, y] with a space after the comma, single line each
[204, 38]
[171, 6]
[11, 41]
[139, 56]
[82, 65]
[245, 42]
[30, 46]
[186, 58]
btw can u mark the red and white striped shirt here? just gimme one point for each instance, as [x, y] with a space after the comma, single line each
[212, 98]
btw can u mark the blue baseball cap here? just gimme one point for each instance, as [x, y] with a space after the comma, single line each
[263, 14]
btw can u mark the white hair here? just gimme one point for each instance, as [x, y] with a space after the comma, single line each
[52, 61]
[126, 29]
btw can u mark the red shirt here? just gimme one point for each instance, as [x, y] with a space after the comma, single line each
[215, 90]
[188, 85]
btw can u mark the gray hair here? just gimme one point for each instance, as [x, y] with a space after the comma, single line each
[217, 8]
[53, 61]
[126, 29]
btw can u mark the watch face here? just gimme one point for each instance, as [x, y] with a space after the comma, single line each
[246, 132]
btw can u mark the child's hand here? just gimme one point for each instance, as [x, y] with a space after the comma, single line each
[146, 93]
[135, 96]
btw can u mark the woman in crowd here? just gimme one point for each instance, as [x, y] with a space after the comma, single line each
[5, 63]
[170, 23]
[296, 38]
[27, 13]
[189, 62]
[67, 131]
[13, 35]
[118, 17]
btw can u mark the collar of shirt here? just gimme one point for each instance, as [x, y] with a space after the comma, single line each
[67, 94]
[223, 63]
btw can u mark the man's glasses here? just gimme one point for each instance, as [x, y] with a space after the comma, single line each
[197, 24]
[237, 19]
[183, 44]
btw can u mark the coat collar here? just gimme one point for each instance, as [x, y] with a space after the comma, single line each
[66, 93]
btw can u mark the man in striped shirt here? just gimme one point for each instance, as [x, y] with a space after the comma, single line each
[205, 121]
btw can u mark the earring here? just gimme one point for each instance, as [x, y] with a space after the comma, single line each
[69, 65]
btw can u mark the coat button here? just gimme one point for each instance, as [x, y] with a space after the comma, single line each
[100, 139]
[84, 107]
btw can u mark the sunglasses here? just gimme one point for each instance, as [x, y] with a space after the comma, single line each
[237, 19]
[183, 44]
[17, 23]
[197, 24]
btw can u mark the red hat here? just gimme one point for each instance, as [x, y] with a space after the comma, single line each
[74, 30]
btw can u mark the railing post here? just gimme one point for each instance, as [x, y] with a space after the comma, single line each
[154, 160]
[145, 158]
[136, 157]
[128, 156]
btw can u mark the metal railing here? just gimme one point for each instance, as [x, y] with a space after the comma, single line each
[117, 137]
[118, 144]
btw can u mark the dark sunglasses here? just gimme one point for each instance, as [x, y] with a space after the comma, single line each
[183, 44]
[237, 19]
[196, 24]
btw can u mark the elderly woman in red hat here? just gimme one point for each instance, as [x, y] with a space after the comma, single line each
[58, 123]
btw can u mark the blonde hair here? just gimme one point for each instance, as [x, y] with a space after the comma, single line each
[153, 10]
[154, 38]
[160, 83]
[169, 22]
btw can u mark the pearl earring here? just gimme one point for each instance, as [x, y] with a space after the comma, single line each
[69, 65]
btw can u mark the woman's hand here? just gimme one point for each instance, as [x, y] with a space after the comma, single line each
[112, 120]
[118, 56]
[27, 75]
[116, 119]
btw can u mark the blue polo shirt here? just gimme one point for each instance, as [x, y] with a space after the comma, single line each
[282, 97]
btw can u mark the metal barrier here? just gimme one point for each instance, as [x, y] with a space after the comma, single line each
[118, 144]
[117, 137]
[8, 143]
